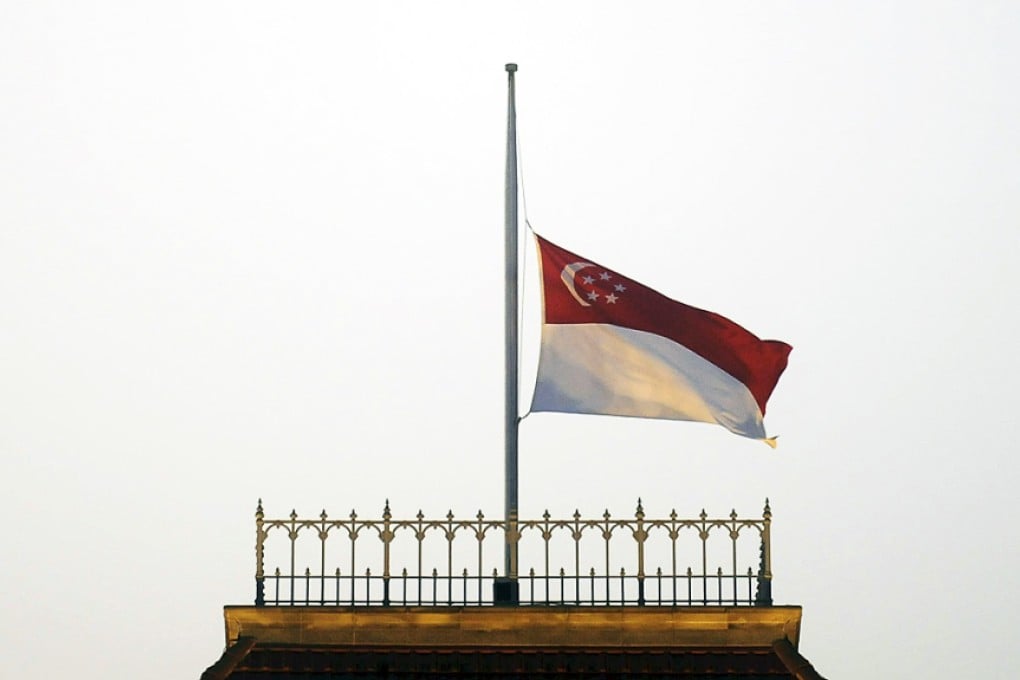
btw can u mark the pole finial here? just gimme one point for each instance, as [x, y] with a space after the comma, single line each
[511, 68]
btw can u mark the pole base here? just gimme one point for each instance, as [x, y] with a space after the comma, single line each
[506, 592]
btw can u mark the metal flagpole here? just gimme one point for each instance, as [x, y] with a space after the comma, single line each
[510, 593]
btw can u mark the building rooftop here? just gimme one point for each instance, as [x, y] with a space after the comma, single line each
[511, 642]
[707, 614]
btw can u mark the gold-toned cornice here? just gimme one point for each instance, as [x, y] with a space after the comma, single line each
[588, 627]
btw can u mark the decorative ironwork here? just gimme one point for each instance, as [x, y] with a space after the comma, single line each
[686, 556]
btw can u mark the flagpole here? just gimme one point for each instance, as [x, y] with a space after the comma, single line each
[511, 421]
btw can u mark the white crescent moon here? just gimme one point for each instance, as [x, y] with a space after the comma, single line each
[568, 274]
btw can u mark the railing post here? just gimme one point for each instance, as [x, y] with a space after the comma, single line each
[703, 535]
[450, 537]
[546, 537]
[763, 598]
[293, 534]
[260, 577]
[734, 535]
[640, 535]
[387, 537]
[323, 535]
[480, 535]
[576, 535]
[353, 535]
[674, 534]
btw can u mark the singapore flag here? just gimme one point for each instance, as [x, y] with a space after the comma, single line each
[615, 347]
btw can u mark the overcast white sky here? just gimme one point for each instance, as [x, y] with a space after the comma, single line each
[255, 250]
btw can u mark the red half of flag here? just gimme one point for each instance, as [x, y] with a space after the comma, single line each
[613, 346]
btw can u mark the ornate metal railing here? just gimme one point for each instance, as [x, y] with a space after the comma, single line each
[671, 561]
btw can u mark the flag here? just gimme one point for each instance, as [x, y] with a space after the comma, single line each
[612, 346]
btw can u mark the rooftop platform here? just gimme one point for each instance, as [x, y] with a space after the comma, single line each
[273, 643]
[604, 597]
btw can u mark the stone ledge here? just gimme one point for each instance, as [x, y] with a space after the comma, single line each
[589, 627]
